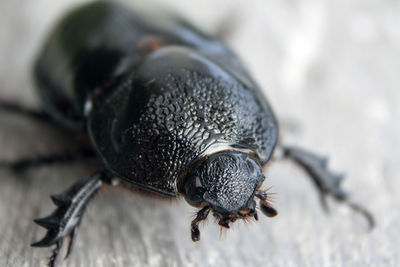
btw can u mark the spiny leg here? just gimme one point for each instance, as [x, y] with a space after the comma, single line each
[201, 215]
[71, 204]
[22, 164]
[56, 251]
[327, 182]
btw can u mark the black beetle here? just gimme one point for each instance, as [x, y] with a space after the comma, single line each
[166, 108]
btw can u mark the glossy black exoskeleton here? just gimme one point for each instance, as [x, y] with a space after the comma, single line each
[166, 108]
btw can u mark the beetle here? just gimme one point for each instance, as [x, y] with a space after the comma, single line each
[166, 108]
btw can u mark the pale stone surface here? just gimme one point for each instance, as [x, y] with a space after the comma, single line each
[331, 71]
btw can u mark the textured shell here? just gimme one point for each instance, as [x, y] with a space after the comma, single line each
[163, 94]
[176, 107]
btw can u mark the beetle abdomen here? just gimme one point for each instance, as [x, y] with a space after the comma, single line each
[95, 45]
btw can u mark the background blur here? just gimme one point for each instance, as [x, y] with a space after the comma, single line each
[330, 70]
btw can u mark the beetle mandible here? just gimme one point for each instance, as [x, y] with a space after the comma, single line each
[167, 108]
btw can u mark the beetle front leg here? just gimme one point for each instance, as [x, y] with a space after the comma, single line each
[194, 227]
[327, 182]
[71, 204]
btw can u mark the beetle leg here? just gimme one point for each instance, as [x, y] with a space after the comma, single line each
[71, 205]
[327, 182]
[201, 215]
[71, 242]
[40, 160]
[16, 108]
[56, 251]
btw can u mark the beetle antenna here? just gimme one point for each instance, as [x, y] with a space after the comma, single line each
[265, 206]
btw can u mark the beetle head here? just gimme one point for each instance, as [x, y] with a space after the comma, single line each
[226, 183]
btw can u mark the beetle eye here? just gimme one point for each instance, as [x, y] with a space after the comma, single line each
[193, 190]
[252, 166]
